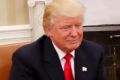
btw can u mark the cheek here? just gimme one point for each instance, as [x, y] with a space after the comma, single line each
[80, 33]
[64, 34]
[60, 36]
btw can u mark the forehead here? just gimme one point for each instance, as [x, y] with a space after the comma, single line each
[67, 19]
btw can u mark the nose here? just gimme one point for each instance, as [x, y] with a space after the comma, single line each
[74, 32]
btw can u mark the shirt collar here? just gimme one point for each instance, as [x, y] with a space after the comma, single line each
[60, 53]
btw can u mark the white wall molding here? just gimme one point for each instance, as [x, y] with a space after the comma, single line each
[15, 34]
[36, 10]
[24, 33]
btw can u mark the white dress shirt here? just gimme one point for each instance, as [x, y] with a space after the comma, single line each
[61, 55]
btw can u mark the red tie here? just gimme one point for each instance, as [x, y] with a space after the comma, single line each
[67, 68]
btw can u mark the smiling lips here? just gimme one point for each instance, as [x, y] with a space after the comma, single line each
[73, 41]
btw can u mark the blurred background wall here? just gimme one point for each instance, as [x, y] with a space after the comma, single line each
[13, 12]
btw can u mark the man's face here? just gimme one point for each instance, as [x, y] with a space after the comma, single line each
[67, 32]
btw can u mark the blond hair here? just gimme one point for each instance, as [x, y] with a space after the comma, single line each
[61, 8]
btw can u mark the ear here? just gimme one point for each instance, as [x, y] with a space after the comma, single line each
[47, 31]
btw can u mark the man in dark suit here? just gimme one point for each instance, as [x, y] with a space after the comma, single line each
[45, 59]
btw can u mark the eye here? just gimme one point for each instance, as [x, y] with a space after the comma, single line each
[66, 27]
[78, 25]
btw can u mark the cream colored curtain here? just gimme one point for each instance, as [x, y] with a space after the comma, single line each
[13, 12]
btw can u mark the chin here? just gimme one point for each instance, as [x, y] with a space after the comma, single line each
[74, 47]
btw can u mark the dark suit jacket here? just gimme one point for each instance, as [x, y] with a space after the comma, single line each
[39, 61]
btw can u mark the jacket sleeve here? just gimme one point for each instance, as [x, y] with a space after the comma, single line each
[21, 69]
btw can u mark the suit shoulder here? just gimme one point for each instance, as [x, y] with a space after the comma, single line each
[92, 47]
[36, 45]
[91, 44]
[92, 50]
[31, 50]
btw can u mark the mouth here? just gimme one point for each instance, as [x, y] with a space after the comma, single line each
[73, 41]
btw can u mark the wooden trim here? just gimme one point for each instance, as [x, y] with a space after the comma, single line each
[6, 52]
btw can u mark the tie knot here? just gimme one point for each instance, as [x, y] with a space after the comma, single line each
[68, 57]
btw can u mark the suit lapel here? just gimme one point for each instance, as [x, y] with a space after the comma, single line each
[53, 66]
[80, 63]
[51, 62]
